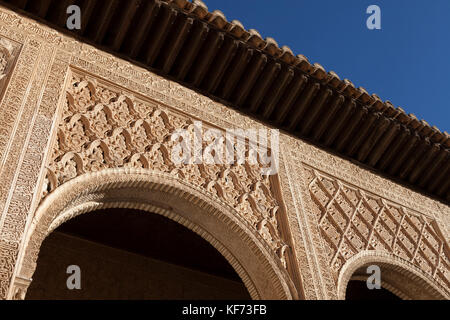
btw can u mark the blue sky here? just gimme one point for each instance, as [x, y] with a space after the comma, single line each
[406, 62]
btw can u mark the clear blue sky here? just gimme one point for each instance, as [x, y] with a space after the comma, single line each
[406, 62]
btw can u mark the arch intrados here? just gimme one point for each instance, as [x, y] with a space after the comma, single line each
[175, 199]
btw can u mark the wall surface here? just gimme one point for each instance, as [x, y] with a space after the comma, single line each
[70, 112]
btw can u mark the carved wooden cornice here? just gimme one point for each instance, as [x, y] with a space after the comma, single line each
[183, 41]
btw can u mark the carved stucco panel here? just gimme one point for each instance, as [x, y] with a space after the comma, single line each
[353, 211]
[314, 282]
[103, 126]
[9, 50]
[25, 160]
[351, 220]
[18, 78]
[18, 116]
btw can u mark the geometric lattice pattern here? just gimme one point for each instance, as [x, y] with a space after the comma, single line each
[352, 220]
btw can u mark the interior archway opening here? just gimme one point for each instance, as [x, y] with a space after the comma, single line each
[131, 254]
[376, 281]
[397, 280]
[358, 290]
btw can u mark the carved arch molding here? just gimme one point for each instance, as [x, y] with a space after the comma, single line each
[102, 127]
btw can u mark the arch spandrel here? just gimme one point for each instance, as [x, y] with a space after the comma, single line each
[103, 128]
[355, 223]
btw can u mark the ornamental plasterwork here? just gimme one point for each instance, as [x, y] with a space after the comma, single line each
[430, 254]
[352, 220]
[8, 53]
[102, 127]
[44, 62]
[14, 231]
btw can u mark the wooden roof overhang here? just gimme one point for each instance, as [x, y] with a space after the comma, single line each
[183, 41]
